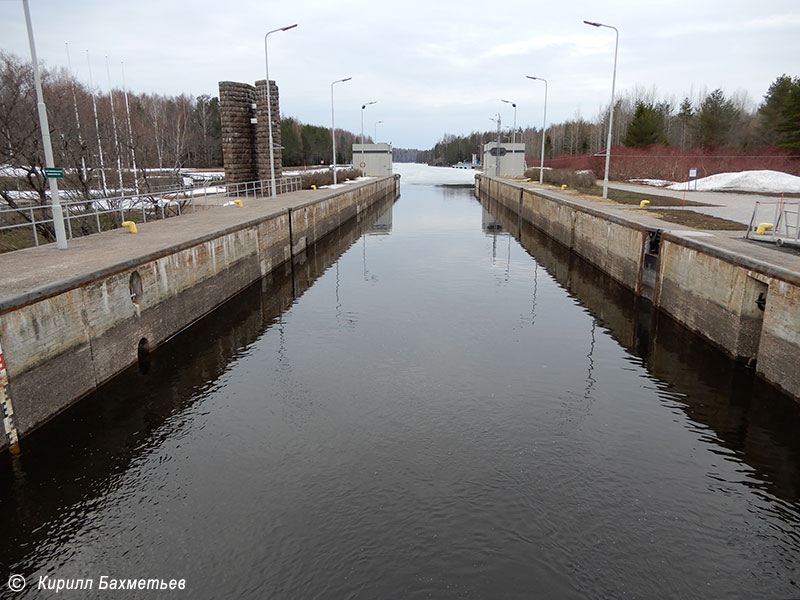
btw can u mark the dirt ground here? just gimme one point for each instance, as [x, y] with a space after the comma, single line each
[696, 220]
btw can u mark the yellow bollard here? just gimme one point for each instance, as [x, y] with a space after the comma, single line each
[313, 187]
[763, 227]
[563, 187]
[130, 225]
[644, 203]
[238, 203]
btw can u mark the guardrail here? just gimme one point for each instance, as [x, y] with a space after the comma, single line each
[777, 222]
[87, 216]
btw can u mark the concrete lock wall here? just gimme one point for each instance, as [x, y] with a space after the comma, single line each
[58, 347]
[707, 289]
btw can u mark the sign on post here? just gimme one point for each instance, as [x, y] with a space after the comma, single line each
[54, 172]
[692, 177]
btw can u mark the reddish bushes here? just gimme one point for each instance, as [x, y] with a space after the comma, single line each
[666, 162]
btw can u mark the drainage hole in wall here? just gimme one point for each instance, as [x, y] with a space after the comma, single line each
[143, 352]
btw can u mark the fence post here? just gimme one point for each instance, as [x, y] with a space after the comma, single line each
[35, 234]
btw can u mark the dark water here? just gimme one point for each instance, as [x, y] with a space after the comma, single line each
[445, 413]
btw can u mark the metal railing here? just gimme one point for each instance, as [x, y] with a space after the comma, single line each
[261, 189]
[777, 222]
[93, 215]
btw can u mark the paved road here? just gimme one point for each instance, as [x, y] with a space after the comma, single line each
[728, 205]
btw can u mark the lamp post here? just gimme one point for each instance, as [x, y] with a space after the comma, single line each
[514, 131]
[58, 215]
[363, 106]
[497, 146]
[269, 110]
[544, 124]
[333, 127]
[375, 137]
[610, 108]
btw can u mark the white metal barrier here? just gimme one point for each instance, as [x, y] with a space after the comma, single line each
[777, 222]
[86, 216]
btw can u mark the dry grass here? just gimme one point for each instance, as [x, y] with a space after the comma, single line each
[321, 178]
[695, 220]
[570, 177]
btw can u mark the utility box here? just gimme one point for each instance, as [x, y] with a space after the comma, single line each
[373, 160]
[505, 160]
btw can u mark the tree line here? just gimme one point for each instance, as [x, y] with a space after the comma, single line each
[98, 137]
[710, 121]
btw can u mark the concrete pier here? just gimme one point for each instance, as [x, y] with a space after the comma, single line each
[72, 319]
[742, 296]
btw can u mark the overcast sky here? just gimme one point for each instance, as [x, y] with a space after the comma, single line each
[434, 67]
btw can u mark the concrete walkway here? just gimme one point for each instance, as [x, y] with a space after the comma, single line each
[28, 274]
[785, 259]
[726, 205]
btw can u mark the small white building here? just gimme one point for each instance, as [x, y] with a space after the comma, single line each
[507, 160]
[374, 160]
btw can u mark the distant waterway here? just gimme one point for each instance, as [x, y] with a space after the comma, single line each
[438, 402]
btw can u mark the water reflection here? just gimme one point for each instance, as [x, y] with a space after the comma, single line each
[748, 418]
[73, 460]
[445, 412]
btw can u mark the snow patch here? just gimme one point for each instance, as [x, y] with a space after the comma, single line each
[774, 182]
[421, 174]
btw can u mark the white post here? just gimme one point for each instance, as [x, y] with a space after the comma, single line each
[84, 174]
[544, 125]
[130, 132]
[514, 132]
[375, 138]
[611, 108]
[333, 126]
[114, 129]
[97, 128]
[363, 106]
[58, 215]
[269, 111]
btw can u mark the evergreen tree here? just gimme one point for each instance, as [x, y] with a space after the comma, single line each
[715, 119]
[780, 113]
[789, 126]
[646, 127]
[685, 114]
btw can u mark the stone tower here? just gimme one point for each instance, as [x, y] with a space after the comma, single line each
[245, 137]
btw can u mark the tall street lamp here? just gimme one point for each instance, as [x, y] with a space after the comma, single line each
[333, 127]
[514, 133]
[610, 108]
[375, 138]
[496, 147]
[269, 110]
[49, 163]
[544, 124]
[363, 163]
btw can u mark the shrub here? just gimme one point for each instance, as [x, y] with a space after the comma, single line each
[320, 178]
[570, 177]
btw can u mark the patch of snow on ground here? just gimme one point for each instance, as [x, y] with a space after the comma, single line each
[654, 182]
[773, 182]
[9, 171]
[420, 174]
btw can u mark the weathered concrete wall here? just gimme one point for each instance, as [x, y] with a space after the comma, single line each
[715, 294]
[59, 347]
[711, 291]
[611, 244]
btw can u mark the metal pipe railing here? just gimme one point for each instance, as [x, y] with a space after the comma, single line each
[143, 206]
